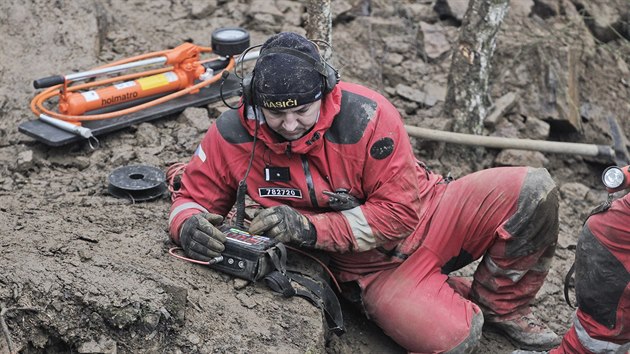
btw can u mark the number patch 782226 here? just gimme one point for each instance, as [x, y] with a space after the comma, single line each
[270, 192]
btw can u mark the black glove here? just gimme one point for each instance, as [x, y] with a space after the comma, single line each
[284, 224]
[200, 239]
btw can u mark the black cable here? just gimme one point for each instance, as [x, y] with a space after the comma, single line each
[242, 185]
[223, 77]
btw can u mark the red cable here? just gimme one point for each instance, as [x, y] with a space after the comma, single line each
[172, 172]
[171, 251]
[332, 277]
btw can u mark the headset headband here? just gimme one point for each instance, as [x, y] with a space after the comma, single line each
[318, 65]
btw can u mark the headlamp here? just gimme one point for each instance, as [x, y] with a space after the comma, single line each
[616, 178]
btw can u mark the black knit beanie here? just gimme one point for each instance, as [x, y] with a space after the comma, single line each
[284, 78]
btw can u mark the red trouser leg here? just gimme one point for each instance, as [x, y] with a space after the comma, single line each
[418, 309]
[570, 344]
[413, 303]
[514, 267]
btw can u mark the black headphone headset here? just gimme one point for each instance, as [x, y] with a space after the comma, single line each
[330, 75]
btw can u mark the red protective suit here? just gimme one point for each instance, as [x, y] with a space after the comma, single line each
[602, 284]
[413, 227]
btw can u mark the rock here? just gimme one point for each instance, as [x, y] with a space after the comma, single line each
[202, 8]
[419, 12]
[104, 345]
[198, 118]
[520, 9]
[501, 106]
[148, 134]
[511, 157]
[455, 9]
[604, 18]
[194, 339]
[24, 160]
[121, 158]
[393, 59]
[434, 92]
[343, 11]
[536, 129]
[246, 300]
[240, 283]
[437, 93]
[552, 89]
[436, 43]
[384, 25]
[188, 137]
[216, 109]
[545, 8]
[150, 321]
[409, 93]
[590, 111]
[506, 129]
[265, 16]
[398, 44]
[69, 161]
[574, 191]
[292, 11]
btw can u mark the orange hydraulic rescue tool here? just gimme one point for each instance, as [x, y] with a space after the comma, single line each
[178, 78]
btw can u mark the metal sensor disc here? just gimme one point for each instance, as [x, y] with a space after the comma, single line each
[137, 182]
[229, 41]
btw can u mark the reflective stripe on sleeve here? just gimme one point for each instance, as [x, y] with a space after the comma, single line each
[594, 345]
[180, 208]
[361, 230]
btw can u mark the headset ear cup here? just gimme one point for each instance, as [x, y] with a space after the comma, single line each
[248, 91]
[331, 79]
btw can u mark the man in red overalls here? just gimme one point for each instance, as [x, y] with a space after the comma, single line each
[602, 284]
[300, 135]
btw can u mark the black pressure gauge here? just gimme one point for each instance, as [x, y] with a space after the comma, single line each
[230, 41]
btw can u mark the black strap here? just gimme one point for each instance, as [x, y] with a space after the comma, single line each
[326, 300]
[318, 293]
[280, 283]
[279, 262]
[567, 278]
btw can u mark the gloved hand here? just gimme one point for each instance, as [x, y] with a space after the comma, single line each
[284, 224]
[199, 237]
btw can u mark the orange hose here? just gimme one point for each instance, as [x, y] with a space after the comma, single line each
[37, 104]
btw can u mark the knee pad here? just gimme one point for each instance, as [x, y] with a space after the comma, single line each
[472, 341]
[534, 225]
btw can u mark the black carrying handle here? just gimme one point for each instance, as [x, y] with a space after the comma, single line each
[49, 81]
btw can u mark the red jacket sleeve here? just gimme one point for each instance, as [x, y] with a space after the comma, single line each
[206, 185]
[393, 186]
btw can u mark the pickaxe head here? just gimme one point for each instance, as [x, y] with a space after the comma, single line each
[621, 156]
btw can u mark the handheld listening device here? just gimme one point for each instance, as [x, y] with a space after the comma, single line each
[247, 256]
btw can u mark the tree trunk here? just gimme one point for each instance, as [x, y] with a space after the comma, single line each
[319, 24]
[467, 96]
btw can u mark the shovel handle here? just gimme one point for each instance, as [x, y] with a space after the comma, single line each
[592, 150]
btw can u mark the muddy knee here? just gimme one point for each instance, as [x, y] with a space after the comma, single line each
[470, 343]
[534, 226]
